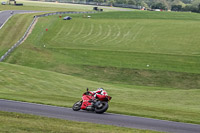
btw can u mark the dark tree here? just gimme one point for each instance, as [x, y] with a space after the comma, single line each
[158, 6]
[176, 7]
[199, 7]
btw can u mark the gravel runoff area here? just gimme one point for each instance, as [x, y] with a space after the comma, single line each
[106, 118]
[5, 15]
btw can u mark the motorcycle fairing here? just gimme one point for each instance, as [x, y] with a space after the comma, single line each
[86, 102]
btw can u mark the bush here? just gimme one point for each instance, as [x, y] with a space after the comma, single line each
[176, 7]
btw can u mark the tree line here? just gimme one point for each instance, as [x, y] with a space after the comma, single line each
[174, 5]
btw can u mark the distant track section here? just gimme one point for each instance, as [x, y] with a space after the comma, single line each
[106, 118]
[5, 15]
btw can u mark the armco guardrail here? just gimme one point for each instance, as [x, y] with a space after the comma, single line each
[27, 31]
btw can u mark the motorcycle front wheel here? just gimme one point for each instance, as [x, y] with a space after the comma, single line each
[101, 107]
[77, 106]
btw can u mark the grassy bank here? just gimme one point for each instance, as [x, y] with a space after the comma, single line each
[13, 30]
[22, 123]
[153, 51]
[39, 86]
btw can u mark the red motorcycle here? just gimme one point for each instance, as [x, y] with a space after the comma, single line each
[89, 103]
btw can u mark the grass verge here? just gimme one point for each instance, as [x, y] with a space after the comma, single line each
[24, 123]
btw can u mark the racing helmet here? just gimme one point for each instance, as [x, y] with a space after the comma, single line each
[100, 89]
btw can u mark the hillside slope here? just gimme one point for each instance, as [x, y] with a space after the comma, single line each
[135, 48]
[41, 86]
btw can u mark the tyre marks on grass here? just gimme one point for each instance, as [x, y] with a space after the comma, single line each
[89, 33]
[80, 32]
[66, 31]
[58, 34]
[95, 37]
[118, 33]
[105, 37]
[126, 35]
[70, 31]
[137, 33]
[134, 37]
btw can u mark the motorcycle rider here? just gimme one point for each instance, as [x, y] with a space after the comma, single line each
[100, 93]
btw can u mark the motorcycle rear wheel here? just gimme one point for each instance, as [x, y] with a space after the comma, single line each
[101, 108]
[77, 106]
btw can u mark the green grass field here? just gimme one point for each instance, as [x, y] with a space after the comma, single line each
[22, 123]
[111, 50]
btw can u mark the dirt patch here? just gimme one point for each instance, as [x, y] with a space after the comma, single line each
[31, 29]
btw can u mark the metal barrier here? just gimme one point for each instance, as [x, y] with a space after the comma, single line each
[27, 31]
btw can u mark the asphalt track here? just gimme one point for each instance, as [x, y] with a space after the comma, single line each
[5, 15]
[106, 118]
